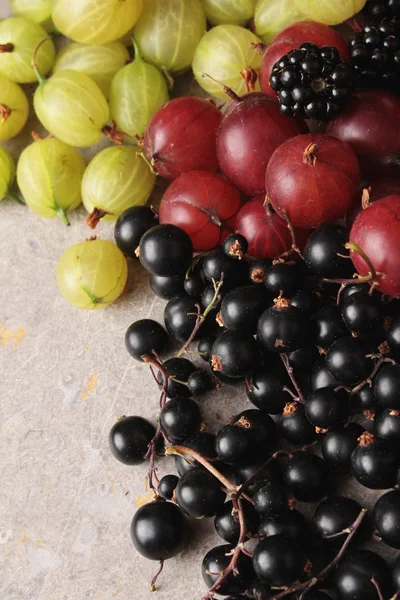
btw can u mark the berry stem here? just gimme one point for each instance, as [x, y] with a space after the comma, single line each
[202, 316]
[306, 585]
[289, 369]
[376, 368]
[34, 66]
[182, 450]
[289, 391]
[154, 580]
[375, 583]
[240, 491]
[353, 247]
[113, 133]
[228, 91]
[294, 247]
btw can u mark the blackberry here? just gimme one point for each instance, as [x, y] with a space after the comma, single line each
[375, 56]
[377, 10]
[312, 82]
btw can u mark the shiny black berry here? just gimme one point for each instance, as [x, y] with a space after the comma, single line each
[166, 287]
[145, 336]
[129, 439]
[291, 523]
[199, 494]
[322, 250]
[180, 316]
[179, 369]
[216, 560]
[234, 354]
[387, 387]
[321, 377]
[393, 337]
[386, 518]
[166, 250]
[167, 486]
[354, 573]
[227, 524]
[216, 263]
[204, 444]
[362, 313]
[265, 391]
[283, 278]
[241, 309]
[347, 361]
[271, 499]
[338, 444]
[387, 427]
[194, 284]
[306, 476]
[364, 399]
[278, 561]
[282, 328]
[295, 428]
[131, 226]
[235, 245]
[327, 326]
[200, 382]
[204, 347]
[180, 419]
[374, 463]
[304, 358]
[159, 530]
[334, 515]
[326, 408]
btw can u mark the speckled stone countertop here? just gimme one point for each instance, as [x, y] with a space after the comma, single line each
[65, 503]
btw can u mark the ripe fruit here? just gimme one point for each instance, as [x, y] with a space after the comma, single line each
[326, 408]
[199, 494]
[241, 309]
[131, 225]
[129, 439]
[322, 250]
[347, 361]
[216, 560]
[165, 250]
[335, 515]
[376, 231]
[306, 476]
[234, 354]
[225, 56]
[265, 391]
[181, 135]
[271, 499]
[227, 525]
[328, 327]
[290, 523]
[167, 486]
[220, 12]
[38, 11]
[7, 172]
[294, 425]
[373, 463]
[92, 274]
[14, 109]
[180, 369]
[353, 576]
[202, 204]
[291, 38]
[278, 561]
[362, 313]
[267, 234]
[338, 444]
[387, 387]
[166, 287]
[244, 152]
[386, 518]
[282, 328]
[204, 444]
[159, 530]
[180, 316]
[313, 178]
[180, 420]
[145, 337]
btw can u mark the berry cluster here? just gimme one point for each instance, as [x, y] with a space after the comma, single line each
[377, 10]
[315, 351]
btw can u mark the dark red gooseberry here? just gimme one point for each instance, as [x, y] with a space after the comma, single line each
[377, 232]
[251, 129]
[202, 204]
[293, 37]
[376, 190]
[181, 137]
[314, 178]
[371, 126]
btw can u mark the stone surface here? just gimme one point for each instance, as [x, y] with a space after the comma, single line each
[65, 503]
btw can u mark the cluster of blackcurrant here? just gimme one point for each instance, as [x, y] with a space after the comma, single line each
[314, 349]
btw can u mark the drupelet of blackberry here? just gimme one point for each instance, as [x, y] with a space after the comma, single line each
[376, 10]
[375, 56]
[312, 82]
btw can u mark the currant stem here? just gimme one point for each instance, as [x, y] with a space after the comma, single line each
[156, 576]
[375, 583]
[202, 316]
[376, 368]
[305, 586]
[289, 391]
[355, 248]
[182, 450]
[245, 486]
[289, 369]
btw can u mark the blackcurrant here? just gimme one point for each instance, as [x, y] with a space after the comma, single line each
[271, 499]
[291, 523]
[334, 515]
[304, 358]
[199, 493]
[353, 577]
[306, 476]
[204, 444]
[194, 284]
[393, 337]
[204, 347]
[338, 444]
[167, 486]
[216, 263]
[260, 427]
[387, 387]
[208, 297]
[270, 472]
[295, 427]
[258, 590]
[326, 408]
[179, 369]
[282, 328]
[227, 524]
[200, 382]
[347, 361]
[283, 278]
[362, 313]
[322, 251]
[396, 573]
[180, 419]
[129, 439]
[257, 271]
[166, 250]
[166, 287]
[386, 518]
[307, 300]
[159, 530]
[234, 354]
[387, 427]
[374, 463]
[364, 399]
[180, 316]
[278, 560]
[241, 309]
[131, 225]
[327, 326]
[145, 336]
[216, 560]
[355, 288]
[321, 377]
[235, 245]
[233, 444]
[265, 391]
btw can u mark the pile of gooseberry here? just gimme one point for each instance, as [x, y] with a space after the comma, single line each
[275, 248]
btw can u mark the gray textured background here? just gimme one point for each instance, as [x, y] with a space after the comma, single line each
[65, 503]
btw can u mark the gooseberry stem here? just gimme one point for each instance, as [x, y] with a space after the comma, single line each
[228, 91]
[294, 246]
[34, 66]
[352, 246]
[289, 369]
[62, 214]
[307, 585]
[202, 316]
